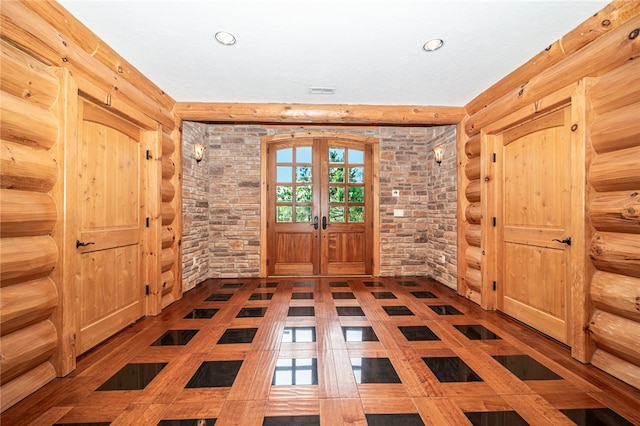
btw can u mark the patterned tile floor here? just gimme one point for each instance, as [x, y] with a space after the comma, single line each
[322, 351]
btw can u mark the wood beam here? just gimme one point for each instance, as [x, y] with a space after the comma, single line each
[319, 114]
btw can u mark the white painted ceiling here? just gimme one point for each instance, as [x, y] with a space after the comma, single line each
[369, 51]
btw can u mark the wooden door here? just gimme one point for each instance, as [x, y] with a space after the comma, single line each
[319, 216]
[536, 218]
[109, 278]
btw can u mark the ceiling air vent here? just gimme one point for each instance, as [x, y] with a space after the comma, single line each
[322, 90]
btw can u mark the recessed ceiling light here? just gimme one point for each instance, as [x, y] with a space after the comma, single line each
[433, 45]
[225, 38]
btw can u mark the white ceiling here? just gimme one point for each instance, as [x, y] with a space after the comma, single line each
[370, 51]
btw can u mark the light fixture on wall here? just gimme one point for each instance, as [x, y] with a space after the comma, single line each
[438, 154]
[198, 151]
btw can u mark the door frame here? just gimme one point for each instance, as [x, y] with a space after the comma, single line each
[580, 271]
[375, 190]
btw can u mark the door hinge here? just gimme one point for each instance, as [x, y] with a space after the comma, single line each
[495, 285]
[147, 289]
[148, 154]
[148, 222]
[494, 220]
[494, 157]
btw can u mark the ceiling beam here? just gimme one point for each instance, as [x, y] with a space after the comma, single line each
[319, 114]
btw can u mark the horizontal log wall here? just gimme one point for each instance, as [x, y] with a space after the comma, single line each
[171, 220]
[469, 217]
[614, 213]
[28, 213]
[48, 58]
[601, 57]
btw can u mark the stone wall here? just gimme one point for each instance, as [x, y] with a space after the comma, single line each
[422, 242]
[195, 208]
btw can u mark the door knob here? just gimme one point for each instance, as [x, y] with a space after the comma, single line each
[324, 222]
[315, 222]
[81, 244]
[566, 241]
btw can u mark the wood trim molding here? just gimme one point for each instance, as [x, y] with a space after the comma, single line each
[407, 115]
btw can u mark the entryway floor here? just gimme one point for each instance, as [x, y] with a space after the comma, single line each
[328, 351]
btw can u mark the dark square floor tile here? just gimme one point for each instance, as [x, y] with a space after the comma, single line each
[338, 284]
[200, 313]
[215, 374]
[232, 285]
[219, 297]
[175, 338]
[373, 284]
[133, 376]
[306, 284]
[261, 296]
[445, 310]
[596, 417]
[343, 295]
[408, 283]
[298, 334]
[350, 311]
[359, 334]
[451, 369]
[238, 335]
[526, 368]
[397, 310]
[251, 312]
[477, 332]
[268, 285]
[415, 333]
[412, 419]
[187, 422]
[301, 296]
[291, 421]
[301, 311]
[496, 418]
[295, 371]
[424, 295]
[383, 295]
[374, 370]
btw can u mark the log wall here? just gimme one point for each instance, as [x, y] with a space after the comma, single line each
[614, 215]
[28, 213]
[48, 61]
[599, 59]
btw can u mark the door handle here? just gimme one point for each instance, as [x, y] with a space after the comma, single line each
[324, 222]
[315, 222]
[566, 241]
[81, 244]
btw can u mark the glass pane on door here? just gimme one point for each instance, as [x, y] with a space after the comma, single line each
[294, 184]
[350, 208]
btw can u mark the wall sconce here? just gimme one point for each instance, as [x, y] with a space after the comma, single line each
[438, 154]
[198, 151]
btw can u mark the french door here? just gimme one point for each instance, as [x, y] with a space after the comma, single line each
[319, 207]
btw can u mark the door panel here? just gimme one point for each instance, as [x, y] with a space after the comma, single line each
[536, 199]
[319, 196]
[293, 193]
[109, 278]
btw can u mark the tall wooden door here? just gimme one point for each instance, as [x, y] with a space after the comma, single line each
[319, 216]
[109, 290]
[535, 224]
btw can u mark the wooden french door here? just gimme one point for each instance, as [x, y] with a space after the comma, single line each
[319, 214]
[109, 286]
[535, 224]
